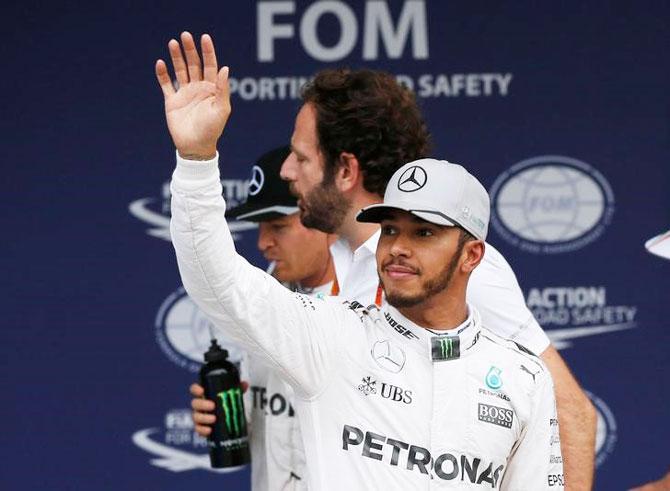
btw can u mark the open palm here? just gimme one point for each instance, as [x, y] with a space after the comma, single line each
[197, 111]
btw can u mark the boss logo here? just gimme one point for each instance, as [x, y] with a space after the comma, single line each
[499, 416]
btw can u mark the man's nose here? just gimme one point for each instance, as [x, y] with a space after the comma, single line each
[265, 238]
[287, 171]
[400, 247]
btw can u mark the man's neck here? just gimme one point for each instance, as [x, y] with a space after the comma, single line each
[320, 278]
[353, 232]
[444, 311]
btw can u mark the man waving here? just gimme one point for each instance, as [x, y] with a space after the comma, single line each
[416, 395]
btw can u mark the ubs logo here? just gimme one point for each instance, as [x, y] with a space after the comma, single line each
[396, 394]
[368, 386]
[412, 179]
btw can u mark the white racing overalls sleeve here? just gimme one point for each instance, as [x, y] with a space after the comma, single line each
[536, 461]
[295, 334]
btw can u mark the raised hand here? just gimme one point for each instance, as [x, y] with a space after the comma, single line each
[198, 110]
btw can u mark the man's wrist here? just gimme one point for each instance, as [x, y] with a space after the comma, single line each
[208, 154]
[192, 174]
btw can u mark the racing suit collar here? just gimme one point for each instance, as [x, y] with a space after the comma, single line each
[435, 345]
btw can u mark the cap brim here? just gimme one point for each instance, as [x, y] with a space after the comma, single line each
[262, 214]
[377, 213]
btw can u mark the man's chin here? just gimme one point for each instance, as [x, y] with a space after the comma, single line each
[400, 301]
[321, 224]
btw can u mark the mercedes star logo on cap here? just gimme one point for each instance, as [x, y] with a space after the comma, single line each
[257, 180]
[412, 179]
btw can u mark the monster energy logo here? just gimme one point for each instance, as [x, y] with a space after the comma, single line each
[233, 411]
[445, 348]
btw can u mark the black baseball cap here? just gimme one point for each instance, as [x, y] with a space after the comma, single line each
[269, 196]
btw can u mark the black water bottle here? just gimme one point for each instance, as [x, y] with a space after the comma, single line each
[228, 442]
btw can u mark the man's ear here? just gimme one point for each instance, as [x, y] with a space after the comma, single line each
[473, 253]
[348, 173]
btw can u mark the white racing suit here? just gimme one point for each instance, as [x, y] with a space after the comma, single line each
[382, 402]
[278, 458]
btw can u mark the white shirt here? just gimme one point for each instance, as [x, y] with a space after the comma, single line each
[381, 402]
[277, 451]
[356, 271]
[493, 289]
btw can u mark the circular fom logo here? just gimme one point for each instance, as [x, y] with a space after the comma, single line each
[551, 204]
[183, 332]
[606, 431]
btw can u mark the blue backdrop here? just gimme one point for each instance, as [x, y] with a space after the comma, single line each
[561, 111]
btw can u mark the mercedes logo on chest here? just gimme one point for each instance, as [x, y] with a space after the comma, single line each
[412, 179]
[257, 180]
[388, 356]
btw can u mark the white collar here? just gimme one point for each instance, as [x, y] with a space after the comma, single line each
[340, 248]
[438, 346]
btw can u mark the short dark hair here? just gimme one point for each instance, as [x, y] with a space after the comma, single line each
[369, 114]
[463, 237]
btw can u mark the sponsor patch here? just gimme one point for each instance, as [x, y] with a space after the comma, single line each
[499, 416]
[445, 348]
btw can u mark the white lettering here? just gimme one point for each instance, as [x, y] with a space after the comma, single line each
[411, 28]
[266, 89]
[553, 297]
[463, 84]
[348, 30]
[405, 80]
[266, 29]
[425, 86]
[457, 83]
[487, 80]
[378, 23]
[503, 82]
[247, 88]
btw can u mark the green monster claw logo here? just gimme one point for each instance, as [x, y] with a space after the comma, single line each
[493, 379]
[447, 346]
[231, 400]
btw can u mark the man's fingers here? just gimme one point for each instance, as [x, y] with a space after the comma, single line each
[222, 87]
[208, 58]
[164, 78]
[203, 405]
[244, 385]
[178, 63]
[192, 58]
[203, 430]
[196, 390]
[203, 418]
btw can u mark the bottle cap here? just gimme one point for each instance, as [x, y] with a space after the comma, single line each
[215, 353]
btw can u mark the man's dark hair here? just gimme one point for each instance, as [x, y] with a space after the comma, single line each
[369, 114]
[463, 237]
